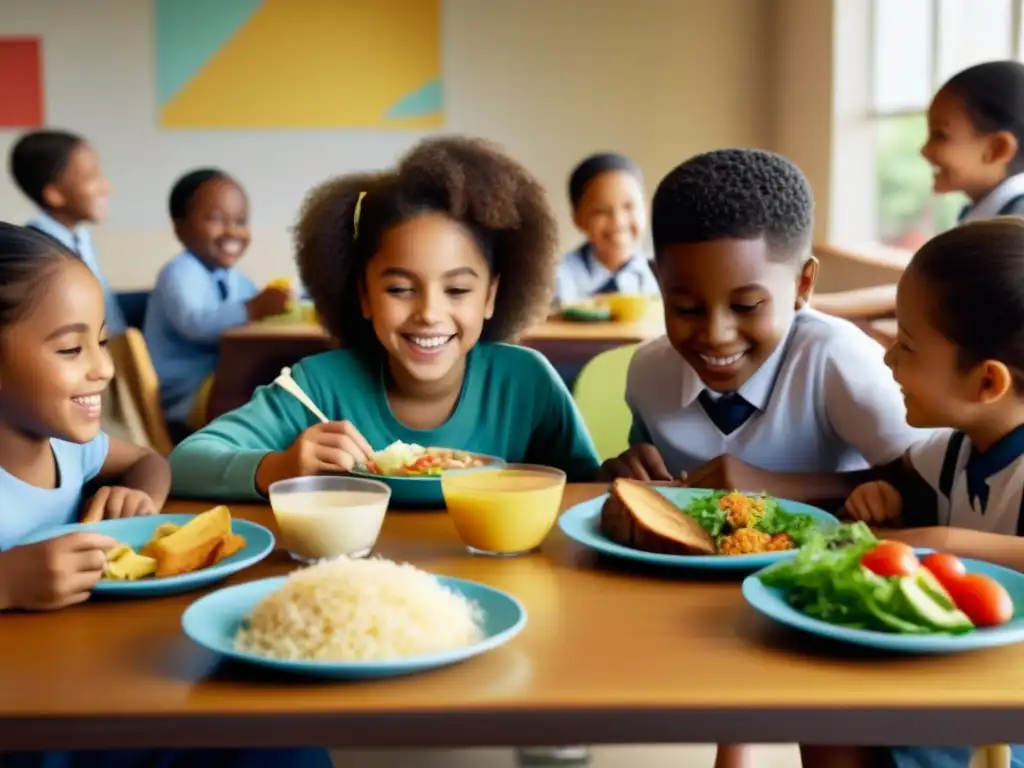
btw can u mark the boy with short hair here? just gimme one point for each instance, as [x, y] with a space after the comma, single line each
[61, 173]
[607, 197]
[746, 368]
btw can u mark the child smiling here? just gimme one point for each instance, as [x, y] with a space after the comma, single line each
[421, 272]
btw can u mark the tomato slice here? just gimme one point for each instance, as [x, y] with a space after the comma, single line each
[985, 601]
[945, 567]
[890, 558]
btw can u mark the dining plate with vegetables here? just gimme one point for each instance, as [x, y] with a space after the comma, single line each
[848, 585]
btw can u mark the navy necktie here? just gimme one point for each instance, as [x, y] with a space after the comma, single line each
[729, 412]
[222, 288]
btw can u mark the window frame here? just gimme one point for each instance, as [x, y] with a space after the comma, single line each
[873, 113]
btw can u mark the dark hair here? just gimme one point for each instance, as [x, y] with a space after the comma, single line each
[594, 166]
[27, 258]
[745, 194]
[975, 277]
[39, 158]
[993, 94]
[469, 180]
[187, 187]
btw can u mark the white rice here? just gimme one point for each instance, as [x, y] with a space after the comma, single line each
[359, 610]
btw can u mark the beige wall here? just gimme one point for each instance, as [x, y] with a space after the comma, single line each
[550, 79]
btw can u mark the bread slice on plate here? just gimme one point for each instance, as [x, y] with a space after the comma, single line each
[637, 516]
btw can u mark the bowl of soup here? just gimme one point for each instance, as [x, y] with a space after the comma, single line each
[326, 517]
[506, 510]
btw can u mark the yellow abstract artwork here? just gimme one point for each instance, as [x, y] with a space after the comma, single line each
[268, 64]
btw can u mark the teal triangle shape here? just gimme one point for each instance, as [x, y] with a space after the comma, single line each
[189, 33]
[426, 100]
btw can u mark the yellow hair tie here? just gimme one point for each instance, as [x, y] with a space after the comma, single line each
[355, 215]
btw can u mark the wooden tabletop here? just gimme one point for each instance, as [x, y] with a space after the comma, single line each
[611, 654]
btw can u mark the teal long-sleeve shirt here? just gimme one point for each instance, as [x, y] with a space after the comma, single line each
[513, 405]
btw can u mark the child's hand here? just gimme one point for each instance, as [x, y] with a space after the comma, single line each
[336, 446]
[112, 502]
[727, 473]
[874, 502]
[52, 574]
[268, 302]
[641, 462]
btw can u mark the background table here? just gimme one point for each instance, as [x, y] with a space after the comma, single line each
[611, 654]
[254, 354]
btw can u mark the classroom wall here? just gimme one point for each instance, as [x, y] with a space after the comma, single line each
[551, 80]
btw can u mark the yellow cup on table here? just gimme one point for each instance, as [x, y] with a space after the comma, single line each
[503, 511]
[285, 284]
[626, 307]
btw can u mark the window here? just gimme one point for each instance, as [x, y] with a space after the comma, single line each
[916, 46]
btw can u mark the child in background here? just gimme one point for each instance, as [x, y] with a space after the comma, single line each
[976, 138]
[606, 192]
[959, 357]
[200, 294]
[61, 173]
[421, 272]
[54, 366]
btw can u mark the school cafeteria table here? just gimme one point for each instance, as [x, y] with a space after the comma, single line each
[611, 654]
[254, 354]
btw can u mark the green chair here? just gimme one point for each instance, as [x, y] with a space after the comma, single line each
[600, 394]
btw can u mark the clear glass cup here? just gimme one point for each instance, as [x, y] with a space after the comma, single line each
[503, 511]
[326, 517]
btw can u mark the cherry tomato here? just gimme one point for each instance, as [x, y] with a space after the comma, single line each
[947, 569]
[985, 601]
[890, 558]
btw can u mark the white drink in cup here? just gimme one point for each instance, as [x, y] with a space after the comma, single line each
[325, 517]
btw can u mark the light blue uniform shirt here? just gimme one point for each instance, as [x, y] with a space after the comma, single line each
[189, 309]
[80, 241]
[580, 275]
[26, 509]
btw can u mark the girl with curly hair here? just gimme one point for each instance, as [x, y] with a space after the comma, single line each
[423, 273]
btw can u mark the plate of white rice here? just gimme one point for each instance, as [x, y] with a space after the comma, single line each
[355, 620]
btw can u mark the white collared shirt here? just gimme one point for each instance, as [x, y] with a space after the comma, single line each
[994, 202]
[826, 402]
[580, 275]
[80, 241]
[1001, 469]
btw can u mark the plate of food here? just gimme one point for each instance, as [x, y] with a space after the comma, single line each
[413, 472]
[354, 619]
[849, 586]
[692, 527]
[167, 554]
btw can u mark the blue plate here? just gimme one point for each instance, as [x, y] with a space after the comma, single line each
[213, 620]
[771, 603]
[420, 491]
[582, 524]
[136, 531]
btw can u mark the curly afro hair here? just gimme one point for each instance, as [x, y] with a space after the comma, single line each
[746, 194]
[470, 180]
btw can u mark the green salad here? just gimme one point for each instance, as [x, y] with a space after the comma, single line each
[828, 580]
[723, 512]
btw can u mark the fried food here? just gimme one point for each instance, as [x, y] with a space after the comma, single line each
[174, 550]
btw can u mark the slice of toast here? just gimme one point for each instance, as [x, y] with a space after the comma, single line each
[639, 517]
[189, 548]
